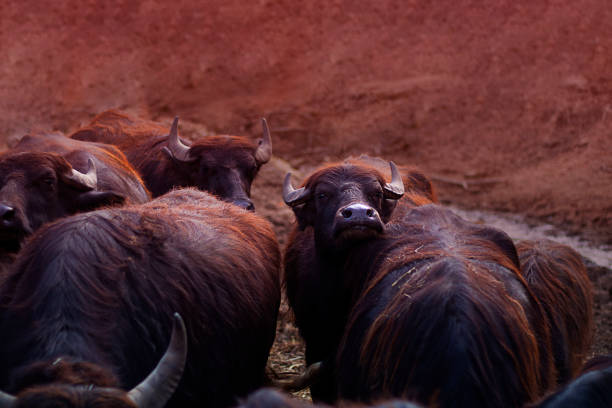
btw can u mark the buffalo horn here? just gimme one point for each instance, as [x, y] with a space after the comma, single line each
[159, 386]
[395, 189]
[264, 149]
[292, 196]
[6, 400]
[87, 181]
[178, 150]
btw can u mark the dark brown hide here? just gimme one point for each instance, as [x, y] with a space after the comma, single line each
[446, 318]
[416, 183]
[36, 188]
[558, 278]
[39, 382]
[592, 389]
[597, 363]
[102, 287]
[113, 169]
[70, 396]
[320, 296]
[432, 308]
[222, 165]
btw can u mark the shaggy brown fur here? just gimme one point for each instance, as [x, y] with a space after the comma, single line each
[35, 188]
[102, 287]
[558, 278]
[114, 171]
[222, 165]
[433, 309]
[319, 293]
[446, 319]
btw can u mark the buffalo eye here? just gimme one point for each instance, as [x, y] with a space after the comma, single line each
[376, 196]
[322, 195]
[47, 183]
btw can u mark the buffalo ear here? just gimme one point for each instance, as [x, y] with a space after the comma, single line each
[505, 244]
[304, 214]
[91, 200]
[419, 182]
[388, 206]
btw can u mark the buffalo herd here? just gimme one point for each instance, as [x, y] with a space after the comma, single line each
[135, 272]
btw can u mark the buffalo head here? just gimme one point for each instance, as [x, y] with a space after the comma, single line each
[222, 165]
[36, 188]
[344, 203]
[153, 392]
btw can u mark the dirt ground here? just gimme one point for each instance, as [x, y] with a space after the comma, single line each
[507, 105]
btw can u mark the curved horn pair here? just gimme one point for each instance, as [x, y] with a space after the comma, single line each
[86, 181]
[159, 386]
[177, 149]
[395, 189]
[180, 151]
[264, 149]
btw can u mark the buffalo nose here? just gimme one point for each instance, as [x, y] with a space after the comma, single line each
[7, 215]
[246, 204]
[358, 211]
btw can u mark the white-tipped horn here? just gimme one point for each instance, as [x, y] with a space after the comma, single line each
[86, 181]
[291, 196]
[263, 154]
[178, 150]
[395, 189]
[159, 386]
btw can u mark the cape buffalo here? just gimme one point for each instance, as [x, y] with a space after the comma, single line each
[112, 167]
[402, 298]
[222, 165]
[338, 205]
[86, 308]
[36, 188]
[41, 179]
[446, 319]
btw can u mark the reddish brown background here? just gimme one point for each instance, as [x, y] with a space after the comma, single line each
[514, 96]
